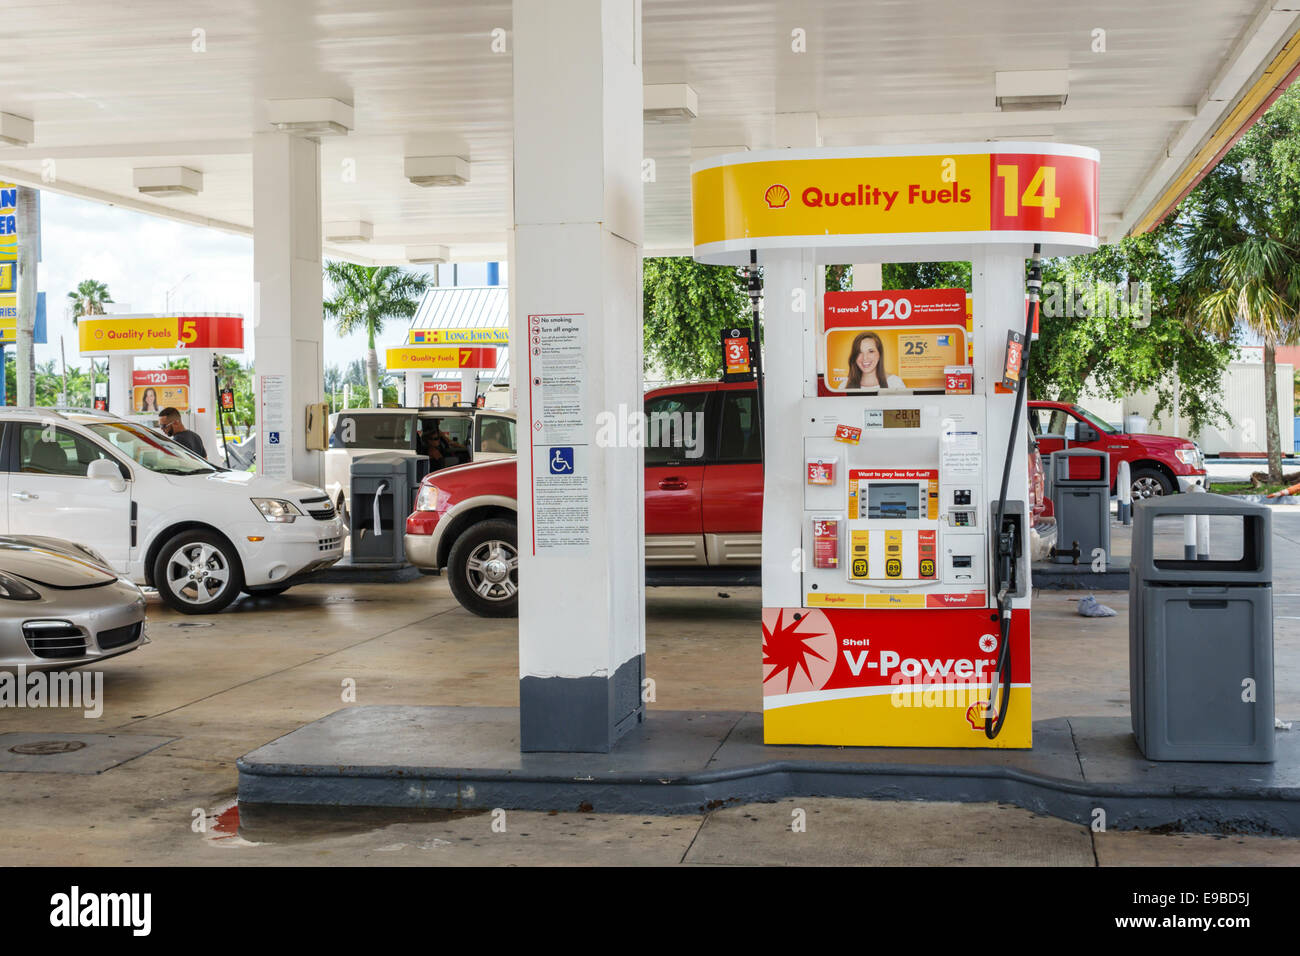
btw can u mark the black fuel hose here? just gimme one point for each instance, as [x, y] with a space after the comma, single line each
[993, 725]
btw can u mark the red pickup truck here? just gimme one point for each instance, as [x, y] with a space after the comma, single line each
[703, 505]
[1158, 464]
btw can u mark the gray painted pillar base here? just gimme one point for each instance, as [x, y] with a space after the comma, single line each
[580, 714]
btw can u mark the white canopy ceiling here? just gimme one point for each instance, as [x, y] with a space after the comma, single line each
[113, 87]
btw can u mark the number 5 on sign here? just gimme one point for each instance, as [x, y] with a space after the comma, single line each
[189, 331]
[1040, 192]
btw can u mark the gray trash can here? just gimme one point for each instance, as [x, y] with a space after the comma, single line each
[382, 493]
[1201, 638]
[1081, 503]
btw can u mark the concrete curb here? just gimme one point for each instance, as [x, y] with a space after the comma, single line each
[1078, 767]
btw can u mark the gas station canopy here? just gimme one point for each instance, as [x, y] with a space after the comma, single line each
[153, 107]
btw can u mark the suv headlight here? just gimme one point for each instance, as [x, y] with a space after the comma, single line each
[427, 498]
[12, 589]
[277, 509]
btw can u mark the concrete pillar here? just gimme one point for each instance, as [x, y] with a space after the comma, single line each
[576, 318]
[468, 384]
[414, 388]
[287, 327]
[203, 403]
[120, 368]
[867, 277]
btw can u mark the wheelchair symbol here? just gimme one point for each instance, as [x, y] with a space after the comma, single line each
[562, 461]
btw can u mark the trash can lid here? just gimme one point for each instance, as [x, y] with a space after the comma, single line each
[382, 463]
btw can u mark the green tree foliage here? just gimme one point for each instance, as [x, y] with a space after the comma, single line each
[1240, 232]
[1119, 317]
[365, 297]
[687, 305]
[926, 275]
[89, 298]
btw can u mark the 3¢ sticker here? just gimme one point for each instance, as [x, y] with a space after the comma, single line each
[848, 434]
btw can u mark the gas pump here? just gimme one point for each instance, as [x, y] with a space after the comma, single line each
[896, 591]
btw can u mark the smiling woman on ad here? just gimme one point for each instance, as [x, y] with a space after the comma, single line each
[867, 364]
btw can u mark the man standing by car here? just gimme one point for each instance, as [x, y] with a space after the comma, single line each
[169, 420]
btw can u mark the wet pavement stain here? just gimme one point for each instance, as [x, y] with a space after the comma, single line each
[267, 825]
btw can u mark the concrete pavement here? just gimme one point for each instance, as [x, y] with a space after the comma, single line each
[270, 665]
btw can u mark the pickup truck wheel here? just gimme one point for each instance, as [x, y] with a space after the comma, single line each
[198, 572]
[1149, 483]
[483, 569]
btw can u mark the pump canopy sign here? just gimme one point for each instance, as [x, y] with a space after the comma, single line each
[106, 335]
[8, 262]
[841, 198]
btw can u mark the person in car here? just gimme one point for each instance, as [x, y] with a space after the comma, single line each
[433, 443]
[495, 439]
[169, 421]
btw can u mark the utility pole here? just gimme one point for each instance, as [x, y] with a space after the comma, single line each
[29, 229]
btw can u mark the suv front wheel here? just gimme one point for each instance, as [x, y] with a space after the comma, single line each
[483, 569]
[198, 572]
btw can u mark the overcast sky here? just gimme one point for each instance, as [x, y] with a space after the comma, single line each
[142, 259]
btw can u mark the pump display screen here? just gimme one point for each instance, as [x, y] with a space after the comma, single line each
[890, 500]
[902, 418]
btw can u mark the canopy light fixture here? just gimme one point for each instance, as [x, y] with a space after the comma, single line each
[436, 170]
[349, 230]
[168, 181]
[1022, 90]
[323, 116]
[426, 255]
[669, 102]
[16, 130]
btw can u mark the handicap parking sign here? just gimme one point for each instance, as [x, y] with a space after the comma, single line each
[273, 438]
[561, 460]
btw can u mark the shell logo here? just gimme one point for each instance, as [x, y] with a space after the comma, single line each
[776, 196]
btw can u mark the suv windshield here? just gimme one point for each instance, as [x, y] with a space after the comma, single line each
[149, 449]
[395, 431]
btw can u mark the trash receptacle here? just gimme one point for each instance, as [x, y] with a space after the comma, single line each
[1201, 636]
[1081, 504]
[382, 491]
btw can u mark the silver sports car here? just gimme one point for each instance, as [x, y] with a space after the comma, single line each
[61, 607]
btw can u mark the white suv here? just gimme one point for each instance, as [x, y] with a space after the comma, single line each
[157, 513]
[467, 434]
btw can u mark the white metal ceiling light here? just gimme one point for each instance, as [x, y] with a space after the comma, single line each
[168, 181]
[349, 230]
[1022, 90]
[426, 255]
[16, 130]
[322, 116]
[669, 102]
[436, 170]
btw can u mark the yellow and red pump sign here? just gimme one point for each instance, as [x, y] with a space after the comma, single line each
[840, 198]
[421, 358]
[485, 336]
[904, 678]
[109, 334]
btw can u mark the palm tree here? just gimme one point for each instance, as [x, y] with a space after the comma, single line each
[1241, 241]
[89, 298]
[365, 297]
